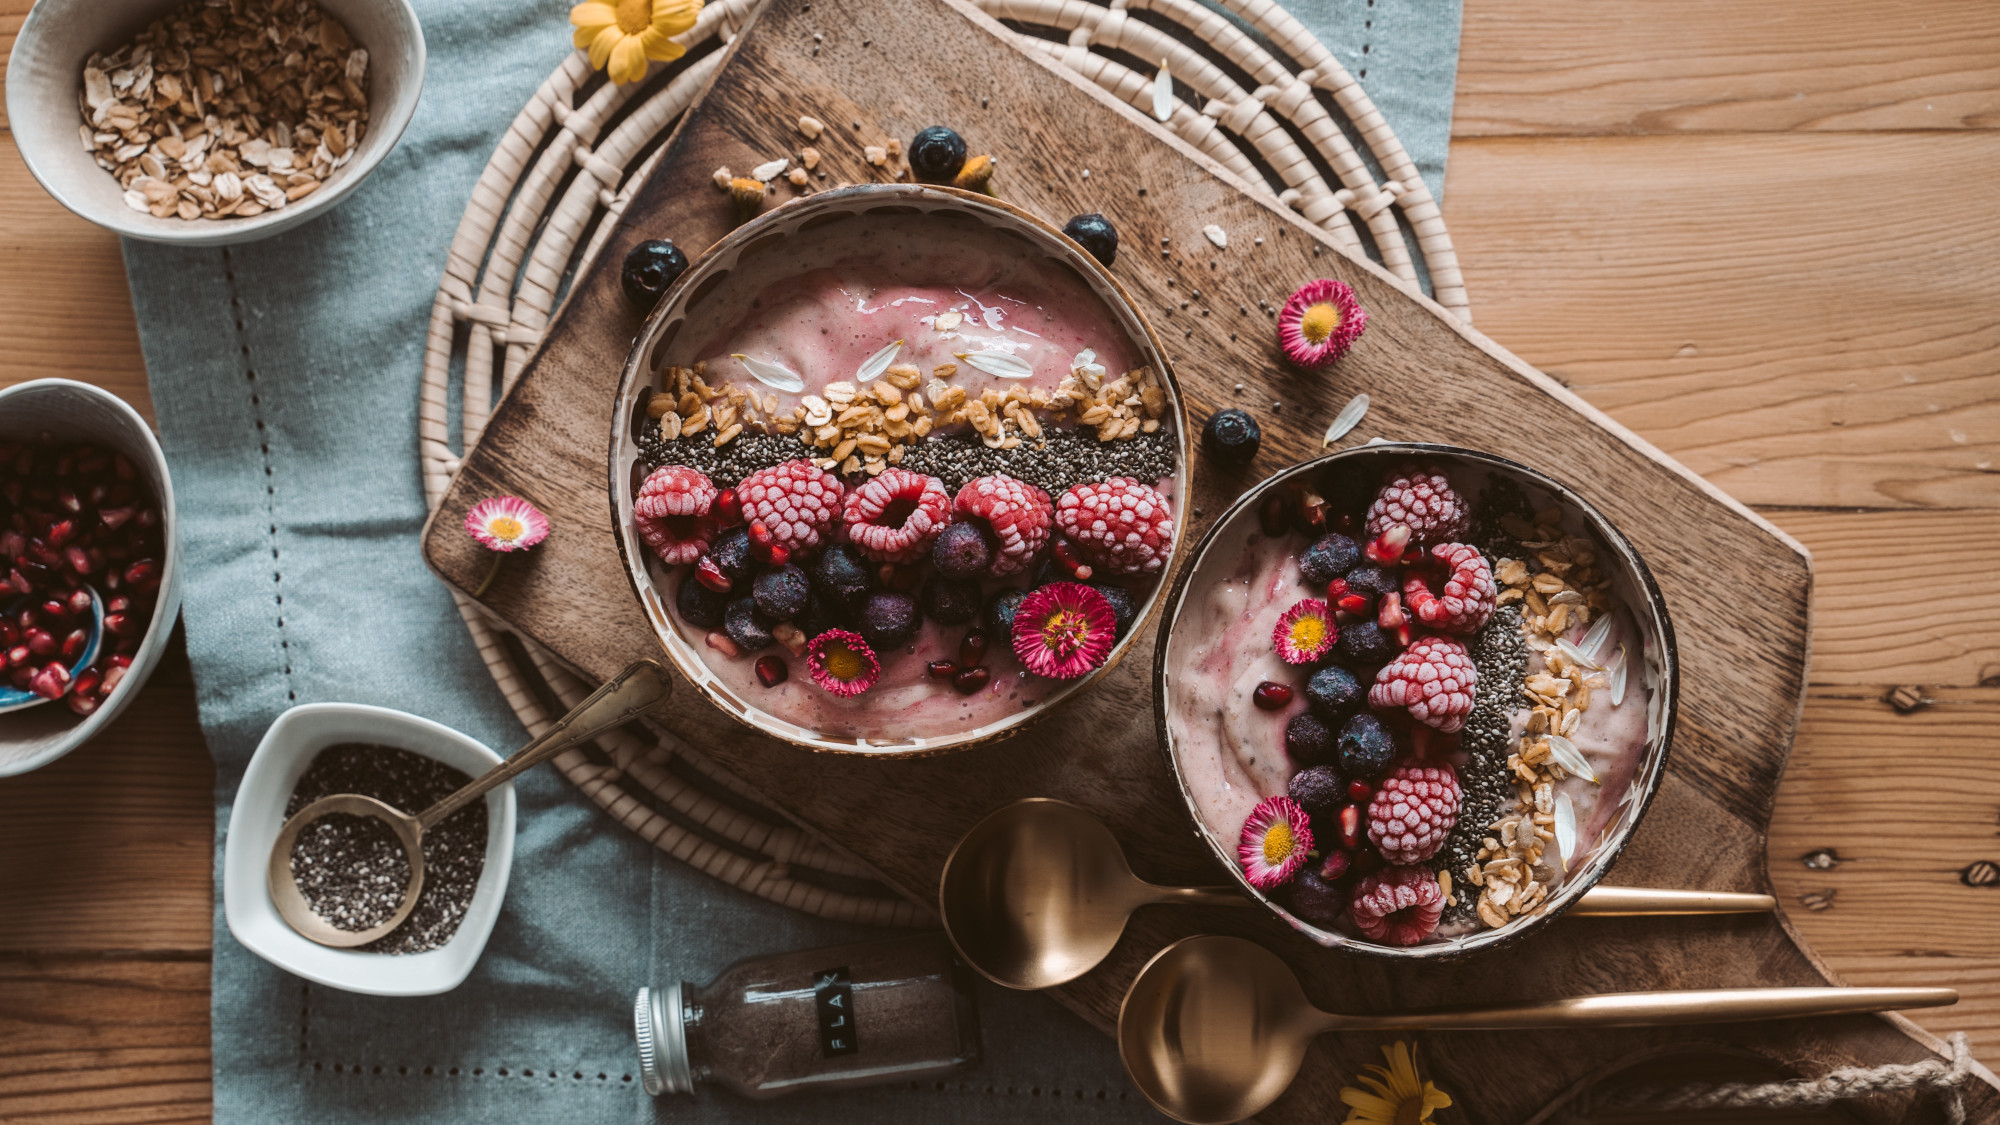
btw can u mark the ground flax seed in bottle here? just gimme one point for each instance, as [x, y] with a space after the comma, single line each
[852, 1015]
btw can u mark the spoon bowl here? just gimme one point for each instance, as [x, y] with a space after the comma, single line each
[292, 905]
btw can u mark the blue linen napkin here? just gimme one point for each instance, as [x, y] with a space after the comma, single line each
[285, 377]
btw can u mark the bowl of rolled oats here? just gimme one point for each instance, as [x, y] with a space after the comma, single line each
[896, 470]
[207, 122]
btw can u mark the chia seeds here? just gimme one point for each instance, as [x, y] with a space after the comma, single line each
[352, 869]
[1500, 654]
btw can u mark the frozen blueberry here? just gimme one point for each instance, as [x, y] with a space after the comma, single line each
[1231, 436]
[1334, 692]
[1320, 790]
[889, 619]
[1309, 740]
[1316, 900]
[950, 601]
[699, 605]
[823, 613]
[1370, 581]
[840, 575]
[1331, 556]
[1123, 608]
[780, 592]
[961, 551]
[732, 553]
[748, 628]
[1000, 612]
[937, 154]
[1366, 748]
[1364, 642]
[1094, 233]
[650, 268]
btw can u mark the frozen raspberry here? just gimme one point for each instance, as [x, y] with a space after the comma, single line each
[1466, 601]
[797, 501]
[1414, 808]
[1018, 515]
[1123, 525]
[673, 514]
[1419, 498]
[1434, 678]
[895, 516]
[1398, 905]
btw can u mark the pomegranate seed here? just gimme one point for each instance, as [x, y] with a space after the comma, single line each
[27, 618]
[148, 517]
[116, 624]
[728, 508]
[1271, 695]
[778, 554]
[1345, 524]
[972, 648]
[79, 602]
[84, 704]
[1337, 589]
[1311, 512]
[17, 657]
[12, 543]
[60, 532]
[1335, 865]
[1359, 791]
[21, 677]
[78, 560]
[121, 465]
[121, 662]
[72, 646]
[69, 501]
[1066, 557]
[708, 572]
[970, 680]
[1350, 826]
[10, 635]
[51, 682]
[1387, 548]
[115, 518]
[1367, 861]
[87, 681]
[143, 573]
[760, 535]
[771, 671]
[119, 604]
[1390, 613]
[721, 643]
[114, 676]
[941, 669]
[19, 581]
[41, 642]
[1355, 604]
[55, 608]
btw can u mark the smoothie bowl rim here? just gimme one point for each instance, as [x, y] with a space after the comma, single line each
[795, 217]
[1642, 788]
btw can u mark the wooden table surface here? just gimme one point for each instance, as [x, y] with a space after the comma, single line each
[1761, 234]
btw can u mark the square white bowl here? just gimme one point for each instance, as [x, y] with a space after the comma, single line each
[287, 749]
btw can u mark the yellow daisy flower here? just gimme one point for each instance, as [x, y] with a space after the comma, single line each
[1398, 1097]
[627, 33]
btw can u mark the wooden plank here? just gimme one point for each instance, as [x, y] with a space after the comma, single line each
[1707, 66]
[90, 1042]
[1751, 305]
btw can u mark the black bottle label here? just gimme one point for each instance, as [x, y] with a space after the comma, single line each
[833, 996]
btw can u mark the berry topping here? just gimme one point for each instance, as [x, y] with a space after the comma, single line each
[839, 575]
[1398, 905]
[941, 669]
[771, 671]
[1016, 515]
[842, 663]
[1348, 823]
[1123, 525]
[749, 629]
[1001, 610]
[672, 514]
[1365, 746]
[700, 606]
[889, 619]
[1274, 842]
[894, 517]
[1336, 865]
[765, 547]
[1319, 322]
[781, 592]
[950, 601]
[1065, 563]
[1305, 633]
[1334, 693]
[1094, 233]
[970, 680]
[1232, 436]
[728, 507]
[1421, 499]
[709, 573]
[1063, 630]
[1465, 603]
[1364, 642]
[1434, 678]
[823, 613]
[1319, 790]
[960, 551]
[1316, 899]
[936, 154]
[1413, 810]
[972, 648]
[797, 501]
[650, 268]
[1331, 556]
[1271, 695]
[731, 556]
[1370, 581]
[1309, 740]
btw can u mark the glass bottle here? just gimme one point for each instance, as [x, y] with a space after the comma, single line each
[851, 1015]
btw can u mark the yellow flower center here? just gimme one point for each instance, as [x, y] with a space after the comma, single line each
[1308, 633]
[843, 663]
[1065, 631]
[1411, 1112]
[1318, 322]
[634, 16]
[1278, 843]
[505, 528]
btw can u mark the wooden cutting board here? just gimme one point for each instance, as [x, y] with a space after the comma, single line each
[1738, 589]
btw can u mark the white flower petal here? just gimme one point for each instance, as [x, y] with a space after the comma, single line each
[1216, 235]
[1349, 417]
[872, 368]
[1003, 364]
[776, 376]
[1565, 816]
[1163, 94]
[1570, 758]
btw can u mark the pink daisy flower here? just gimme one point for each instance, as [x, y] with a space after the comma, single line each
[1064, 630]
[1274, 843]
[1305, 632]
[506, 523]
[1320, 322]
[842, 663]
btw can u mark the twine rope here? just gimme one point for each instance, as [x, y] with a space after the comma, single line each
[1948, 1076]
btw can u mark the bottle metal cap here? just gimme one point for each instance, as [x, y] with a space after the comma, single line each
[662, 1033]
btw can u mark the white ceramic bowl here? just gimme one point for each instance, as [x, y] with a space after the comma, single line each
[67, 410]
[281, 759]
[45, 74]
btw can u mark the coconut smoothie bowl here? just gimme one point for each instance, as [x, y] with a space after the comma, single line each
[1416, 697]
[895, 469]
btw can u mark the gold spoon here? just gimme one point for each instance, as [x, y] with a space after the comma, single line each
[1039, 891]
[1214, 1028]
[635, 691]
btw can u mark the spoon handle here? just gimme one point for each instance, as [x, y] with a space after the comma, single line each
[1199, 896]
[1620, 902]
[1656, 1009]
[638, 689]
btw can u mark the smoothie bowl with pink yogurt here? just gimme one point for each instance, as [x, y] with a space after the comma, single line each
[1417, 697]
[895, 469]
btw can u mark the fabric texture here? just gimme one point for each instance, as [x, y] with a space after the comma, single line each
[285, 377]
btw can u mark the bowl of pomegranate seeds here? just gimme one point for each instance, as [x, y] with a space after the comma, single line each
[896, 469]
[1417, 697]
[89, 579]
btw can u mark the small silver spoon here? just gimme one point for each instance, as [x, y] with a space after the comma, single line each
[635, 691]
